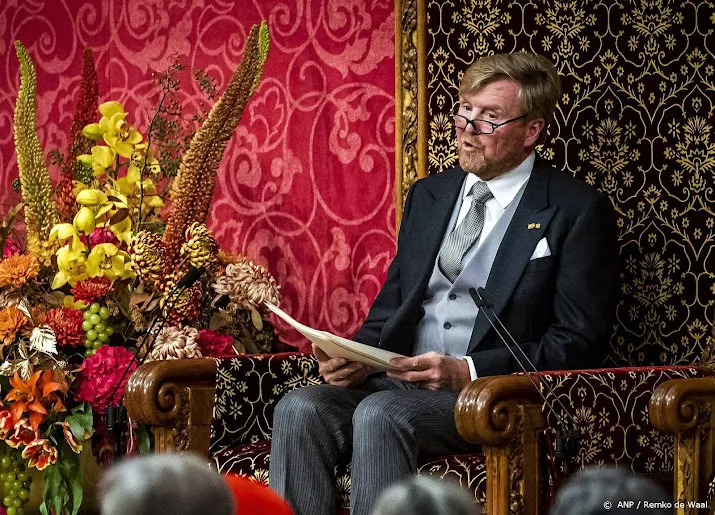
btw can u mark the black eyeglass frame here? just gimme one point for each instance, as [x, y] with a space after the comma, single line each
[494, 126]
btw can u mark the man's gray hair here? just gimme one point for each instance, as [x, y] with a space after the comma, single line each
[165, 483]
[423, 495]
[609, 491]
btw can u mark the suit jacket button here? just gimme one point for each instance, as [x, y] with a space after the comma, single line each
[452, 296]
[447, 325]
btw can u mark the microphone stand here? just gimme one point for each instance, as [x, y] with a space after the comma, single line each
[116, 416]
[566, 439]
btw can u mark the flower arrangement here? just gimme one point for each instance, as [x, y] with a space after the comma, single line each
[104, 254]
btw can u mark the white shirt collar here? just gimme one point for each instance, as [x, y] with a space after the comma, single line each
[507, 185]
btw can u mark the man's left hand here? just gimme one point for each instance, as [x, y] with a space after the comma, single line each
[432, 371]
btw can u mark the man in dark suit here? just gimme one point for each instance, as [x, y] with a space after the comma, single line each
[542, 243]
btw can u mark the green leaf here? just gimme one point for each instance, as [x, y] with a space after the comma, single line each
[143, 438]
[50, 492]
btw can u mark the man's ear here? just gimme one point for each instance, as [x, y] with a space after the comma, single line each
[533, 131]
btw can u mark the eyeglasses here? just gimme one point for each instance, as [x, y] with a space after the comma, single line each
[479, 126]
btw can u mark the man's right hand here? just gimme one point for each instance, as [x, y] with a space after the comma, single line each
[340, 371]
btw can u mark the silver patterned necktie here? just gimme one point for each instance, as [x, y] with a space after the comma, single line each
[465, 234]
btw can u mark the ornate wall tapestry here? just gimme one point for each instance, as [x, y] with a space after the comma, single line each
[307, 187]
[635, 121]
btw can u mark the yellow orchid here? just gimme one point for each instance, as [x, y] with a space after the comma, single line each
[84, 220]
[69, 302]
[107, 260]
[71, 262]
[117, 132]
[91, 197]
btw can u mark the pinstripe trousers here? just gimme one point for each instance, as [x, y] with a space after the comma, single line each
[382, 426]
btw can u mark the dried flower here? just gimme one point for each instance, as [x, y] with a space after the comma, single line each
[100, 375]
[248, 285]
[200, 247]
[148, 257]
[214, 344]
[67, 326]
[89, 290]
[12, 321]
[175, 343]
[18, 270]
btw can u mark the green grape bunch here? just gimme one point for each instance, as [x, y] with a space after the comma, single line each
[15, 483]
[97, 327]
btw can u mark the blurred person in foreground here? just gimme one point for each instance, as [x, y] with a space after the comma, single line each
[424, 495]
[165, 483]
[608, 491]
[542, 243]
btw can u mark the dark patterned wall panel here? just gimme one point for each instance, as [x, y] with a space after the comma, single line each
[635, 121]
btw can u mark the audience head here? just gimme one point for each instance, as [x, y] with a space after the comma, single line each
[423, 495]
[165, 483]
[599, 491]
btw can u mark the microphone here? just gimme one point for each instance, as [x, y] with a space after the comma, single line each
[116, 415]
[566, 439]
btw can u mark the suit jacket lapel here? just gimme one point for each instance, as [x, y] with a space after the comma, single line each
[428, 228]
[516, 247]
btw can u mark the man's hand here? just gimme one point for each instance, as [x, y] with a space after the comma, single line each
[432, 371]
[339, 371]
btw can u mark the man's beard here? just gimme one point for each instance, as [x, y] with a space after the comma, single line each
[477, 163]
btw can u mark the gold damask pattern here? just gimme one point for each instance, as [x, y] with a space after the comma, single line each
[247, 390]
[610, 408]
[635, 121]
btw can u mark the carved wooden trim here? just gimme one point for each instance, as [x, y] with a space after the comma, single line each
[410, 98]
[503, 413]
[175, 399]
[684, 407]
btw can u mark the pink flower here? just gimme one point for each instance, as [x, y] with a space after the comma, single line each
[40, 454]
[6, 423]
[214, 344]
[102, 235]
[22, 434]
[11, 249]
[99, 376]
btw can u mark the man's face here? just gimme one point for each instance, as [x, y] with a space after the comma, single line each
[490, 155]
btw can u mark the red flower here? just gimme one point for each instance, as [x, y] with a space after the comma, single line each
[40, 454]
[102, 235]
[7, 424]
[11, 249]
[99, 376]
[74, 444]
[214, 344]
[67, 325]
[89, 290]
[22, 434]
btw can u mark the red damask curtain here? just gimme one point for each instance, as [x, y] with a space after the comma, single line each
[306, 186]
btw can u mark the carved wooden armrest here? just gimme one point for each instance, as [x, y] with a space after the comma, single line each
[684, 407]
[175, 399]
[503, 414]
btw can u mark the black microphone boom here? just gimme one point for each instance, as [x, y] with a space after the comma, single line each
[116, 418]
[566, 440]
